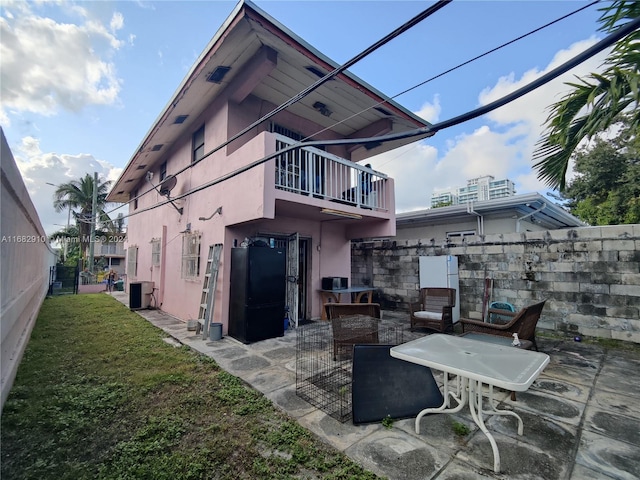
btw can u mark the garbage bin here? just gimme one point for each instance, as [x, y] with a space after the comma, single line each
[120, 286]
[215, 331]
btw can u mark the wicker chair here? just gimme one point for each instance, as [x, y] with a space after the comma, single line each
[523, 323]
[352, 323]
[434, 310]
[335, 310]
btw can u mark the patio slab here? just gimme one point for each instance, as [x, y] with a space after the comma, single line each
[581, 416]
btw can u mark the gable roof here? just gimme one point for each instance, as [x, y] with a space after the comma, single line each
[243, 35]
[530, 206]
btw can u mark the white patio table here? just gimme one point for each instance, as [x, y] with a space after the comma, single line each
[475, 363]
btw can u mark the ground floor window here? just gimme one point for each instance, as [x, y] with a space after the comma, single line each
[132, 261]
[155, 252]
[190, 255]
[460, 234]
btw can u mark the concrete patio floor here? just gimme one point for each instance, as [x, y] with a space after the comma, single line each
[581, 416]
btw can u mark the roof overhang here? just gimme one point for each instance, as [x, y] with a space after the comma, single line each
[345, 104]
[530, 206]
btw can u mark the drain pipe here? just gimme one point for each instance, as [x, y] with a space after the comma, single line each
[470, 210]
[544, 205]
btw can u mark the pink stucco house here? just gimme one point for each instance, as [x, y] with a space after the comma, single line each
[311, 201]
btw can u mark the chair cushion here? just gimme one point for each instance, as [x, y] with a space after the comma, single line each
[428, 315]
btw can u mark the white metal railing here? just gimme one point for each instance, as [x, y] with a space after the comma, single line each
[112, 249]
[310, 171]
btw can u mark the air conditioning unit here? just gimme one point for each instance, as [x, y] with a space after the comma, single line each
[140, 295]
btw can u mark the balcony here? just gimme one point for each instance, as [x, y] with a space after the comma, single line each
[314, 173]
[111, 249]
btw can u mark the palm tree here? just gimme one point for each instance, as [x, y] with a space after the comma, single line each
[78, 196]
[604, 96]
[69, 237]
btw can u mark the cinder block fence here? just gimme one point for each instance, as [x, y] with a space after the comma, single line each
[590, 276]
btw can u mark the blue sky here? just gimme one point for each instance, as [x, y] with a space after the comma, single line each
[82, 82]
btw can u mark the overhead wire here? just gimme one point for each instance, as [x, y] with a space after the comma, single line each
[383, 41]
[412, 22]
[540, 81]
[460, 65]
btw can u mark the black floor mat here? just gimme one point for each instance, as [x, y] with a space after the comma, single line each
[386, 386]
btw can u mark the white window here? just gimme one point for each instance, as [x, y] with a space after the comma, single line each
[198, 145]
[132, 261]
[190, 255]
[461, 234]
[155, 252]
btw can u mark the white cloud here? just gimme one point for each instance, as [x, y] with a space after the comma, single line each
[502, 147]
[430, 111]
[68, 64]
[117, 22]
[41, 169]
[533, 107]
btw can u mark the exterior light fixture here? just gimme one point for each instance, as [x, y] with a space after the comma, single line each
[340, 213]
[322, 108]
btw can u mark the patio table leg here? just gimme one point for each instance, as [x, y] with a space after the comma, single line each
[444, 408]
[475, 405]
[495, 411]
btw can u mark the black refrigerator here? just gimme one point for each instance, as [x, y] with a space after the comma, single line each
[258, 293]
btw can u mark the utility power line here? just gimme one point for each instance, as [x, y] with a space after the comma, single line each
[544, 79]
[383, 41]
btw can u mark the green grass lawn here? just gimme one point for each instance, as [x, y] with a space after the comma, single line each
[100, 395]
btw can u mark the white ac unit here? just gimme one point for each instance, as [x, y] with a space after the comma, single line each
[140, 295]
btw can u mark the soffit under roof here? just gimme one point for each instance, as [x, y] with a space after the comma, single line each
[350, 100]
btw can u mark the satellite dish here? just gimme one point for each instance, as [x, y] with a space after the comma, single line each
[167, 185]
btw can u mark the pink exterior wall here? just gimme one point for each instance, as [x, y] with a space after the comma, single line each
[248, 204]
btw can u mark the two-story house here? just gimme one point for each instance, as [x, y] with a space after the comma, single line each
[215, 187]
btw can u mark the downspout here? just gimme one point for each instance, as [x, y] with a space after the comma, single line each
[470, 210]
[544, 205]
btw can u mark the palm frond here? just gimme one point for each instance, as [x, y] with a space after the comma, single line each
[593, 105]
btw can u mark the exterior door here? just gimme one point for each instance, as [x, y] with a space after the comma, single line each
[293, 277]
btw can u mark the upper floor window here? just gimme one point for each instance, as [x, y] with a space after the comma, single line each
[198, 144]
[134, 194]
[287, 132]
[163, 171]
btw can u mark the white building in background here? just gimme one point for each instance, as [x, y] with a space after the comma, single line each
[477, 190]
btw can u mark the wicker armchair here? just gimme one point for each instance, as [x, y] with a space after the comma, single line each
[335, 310]
[523, 323]
[352, 330]
[352, 323]
[434, 310]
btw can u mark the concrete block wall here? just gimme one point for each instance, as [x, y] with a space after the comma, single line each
[590, 276]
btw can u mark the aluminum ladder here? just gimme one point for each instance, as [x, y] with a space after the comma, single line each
[207, 301]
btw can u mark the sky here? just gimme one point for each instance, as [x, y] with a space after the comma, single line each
[82, 82]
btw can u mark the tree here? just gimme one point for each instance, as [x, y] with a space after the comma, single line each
[78, 196]
[606, 190]
[69, 236]
[602, 96]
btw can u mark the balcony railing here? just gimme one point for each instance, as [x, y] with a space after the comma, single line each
[111, 249]
[310, 171]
